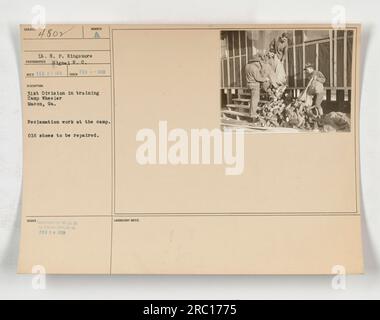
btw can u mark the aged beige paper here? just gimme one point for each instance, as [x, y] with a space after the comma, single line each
[116, 176]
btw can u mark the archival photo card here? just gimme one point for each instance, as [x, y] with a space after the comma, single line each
[126, 169]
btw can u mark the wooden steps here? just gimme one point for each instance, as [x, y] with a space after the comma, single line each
[239, 109]
[236, 113]
[237, 106]
[241, 100]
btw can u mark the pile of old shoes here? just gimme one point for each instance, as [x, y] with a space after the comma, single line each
[280, 112]
[336, 121]
[294, 114]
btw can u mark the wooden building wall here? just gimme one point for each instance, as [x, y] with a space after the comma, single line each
[332, 56]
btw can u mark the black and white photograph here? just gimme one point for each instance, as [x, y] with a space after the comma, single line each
[287, 80]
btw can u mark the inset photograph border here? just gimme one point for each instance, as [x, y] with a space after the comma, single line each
[287, 80]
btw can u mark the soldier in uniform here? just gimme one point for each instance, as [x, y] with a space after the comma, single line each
[316, 88]
[253, 73]
[280, 47]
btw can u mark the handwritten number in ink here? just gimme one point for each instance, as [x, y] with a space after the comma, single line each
[52, 33]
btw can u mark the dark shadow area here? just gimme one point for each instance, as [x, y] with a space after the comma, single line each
[371, 265]
[9, 262]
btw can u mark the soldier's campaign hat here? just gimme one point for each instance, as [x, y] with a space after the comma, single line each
[309, 65]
